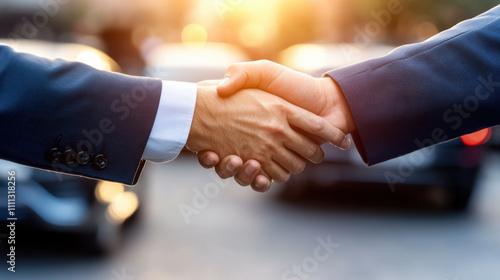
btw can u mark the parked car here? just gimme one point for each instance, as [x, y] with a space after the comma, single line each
[89, 213]
[450, 166]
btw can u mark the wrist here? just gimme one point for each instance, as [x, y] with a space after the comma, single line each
[201, 114]
[332, 90]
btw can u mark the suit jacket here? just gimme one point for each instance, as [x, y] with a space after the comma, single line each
[426, 93]
[71, 118]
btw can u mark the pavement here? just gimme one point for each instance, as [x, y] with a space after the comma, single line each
[196, 226]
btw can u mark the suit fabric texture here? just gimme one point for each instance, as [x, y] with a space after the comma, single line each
[69, 117]
[426, 93]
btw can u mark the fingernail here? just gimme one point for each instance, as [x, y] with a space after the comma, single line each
[231, 166]
[224, 82]
[208, 160]
[261, 184]
[346, 143]
[249, 170]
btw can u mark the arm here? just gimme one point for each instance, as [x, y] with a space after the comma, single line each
[414, 97]
[426, 93]
[57, 110]
[71, 106]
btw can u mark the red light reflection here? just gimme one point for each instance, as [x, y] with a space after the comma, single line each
[477, 138]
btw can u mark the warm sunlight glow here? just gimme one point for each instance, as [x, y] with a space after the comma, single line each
[122, 207]
[305, 57]
[93, 59]
[194, 35]
[425, 30]
[253, 35]
[107, 191]
[210, 55]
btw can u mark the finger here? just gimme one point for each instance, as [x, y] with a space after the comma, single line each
[256, 74]
[276, 172]
[261, 183]
[229, 166]
[289, 160]
[208, 159]
[306, 148]
[317, 126]
[248, 173]
[296, 87]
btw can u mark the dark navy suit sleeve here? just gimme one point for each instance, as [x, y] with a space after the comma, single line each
[426, 93]
[70, 106]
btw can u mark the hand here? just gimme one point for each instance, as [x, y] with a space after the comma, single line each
[321, 96]
[255, 125]
[318, 95]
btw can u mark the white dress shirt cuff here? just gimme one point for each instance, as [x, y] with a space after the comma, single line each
[172, 123]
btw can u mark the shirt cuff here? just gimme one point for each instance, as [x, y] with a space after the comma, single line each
[172, 123]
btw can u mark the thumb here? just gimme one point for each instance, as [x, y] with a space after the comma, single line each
[256, 74]
[231, 83]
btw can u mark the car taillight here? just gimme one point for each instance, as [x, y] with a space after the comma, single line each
[477, 138]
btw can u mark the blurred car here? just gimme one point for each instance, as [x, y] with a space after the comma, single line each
[192, 63]
[450, 166]
[89, 213]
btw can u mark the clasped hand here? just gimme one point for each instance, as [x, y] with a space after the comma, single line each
[263, 121]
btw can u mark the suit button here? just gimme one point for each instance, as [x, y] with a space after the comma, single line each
[100, 162]
[83, 158]
[53, 155]
[70, 157]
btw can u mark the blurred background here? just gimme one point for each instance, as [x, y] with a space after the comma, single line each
[338, 220]
[130, 30]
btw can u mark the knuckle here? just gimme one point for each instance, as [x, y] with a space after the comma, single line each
[317, 123]
[269, 146]
[264, 62]
[313, 150]
[234, 67]
[280, 106]
[275, 128]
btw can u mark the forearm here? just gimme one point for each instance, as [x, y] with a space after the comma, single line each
[72, 106]
[437, 90]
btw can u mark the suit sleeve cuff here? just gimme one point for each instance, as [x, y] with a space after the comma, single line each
[173, 121]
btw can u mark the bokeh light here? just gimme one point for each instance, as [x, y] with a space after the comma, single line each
[425, 30]
[122, 207]
[194, 35]
[106, 191]
[94, 59]
[477, 138]
[304, 57]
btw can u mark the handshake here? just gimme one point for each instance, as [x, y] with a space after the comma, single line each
[263, 121]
